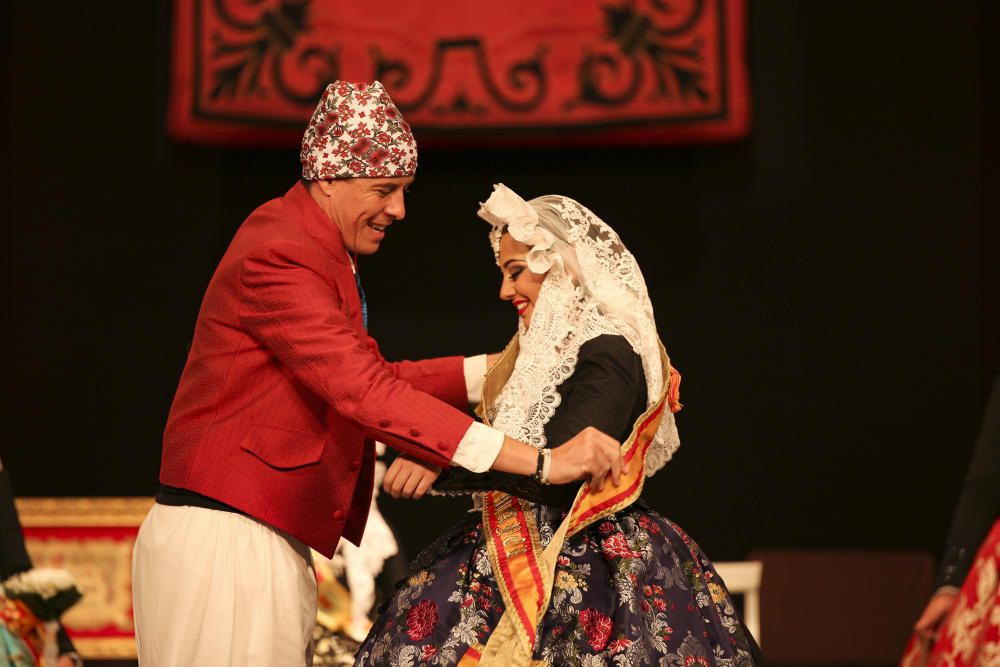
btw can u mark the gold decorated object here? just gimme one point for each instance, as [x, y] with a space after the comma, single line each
[333, 609]
[101, 564]
[74, 512]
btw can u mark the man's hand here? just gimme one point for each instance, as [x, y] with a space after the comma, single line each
[409, 478]
[589, 454]
[934, 613]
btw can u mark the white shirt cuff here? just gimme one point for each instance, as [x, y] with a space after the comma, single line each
[475, 372]
[478, 448]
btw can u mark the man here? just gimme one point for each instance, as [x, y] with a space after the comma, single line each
[268, 446]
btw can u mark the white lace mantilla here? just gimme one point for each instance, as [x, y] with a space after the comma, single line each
[562, 322]
[593, 286]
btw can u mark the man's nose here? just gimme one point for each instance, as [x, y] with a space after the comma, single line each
[396, 208]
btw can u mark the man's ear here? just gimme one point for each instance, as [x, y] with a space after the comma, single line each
[326, 187]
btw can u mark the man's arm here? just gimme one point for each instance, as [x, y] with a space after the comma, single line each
[290, 309]
[607, 384]
[588, 455]
[455, 380]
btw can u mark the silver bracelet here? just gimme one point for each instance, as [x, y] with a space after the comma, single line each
[546, 466]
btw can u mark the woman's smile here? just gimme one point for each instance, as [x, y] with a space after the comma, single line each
[519, 285]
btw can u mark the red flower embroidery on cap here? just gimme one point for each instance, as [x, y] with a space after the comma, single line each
[362, 146]
[359, 132]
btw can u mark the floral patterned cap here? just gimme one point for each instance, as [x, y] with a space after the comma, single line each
[357, 132]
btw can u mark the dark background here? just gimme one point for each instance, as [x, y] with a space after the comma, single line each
[828, 287]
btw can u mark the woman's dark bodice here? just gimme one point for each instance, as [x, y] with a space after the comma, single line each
[607, 391]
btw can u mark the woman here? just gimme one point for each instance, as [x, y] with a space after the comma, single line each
[572, 575]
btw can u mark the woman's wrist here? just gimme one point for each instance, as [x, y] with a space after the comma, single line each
[516, 457]
[543, 466]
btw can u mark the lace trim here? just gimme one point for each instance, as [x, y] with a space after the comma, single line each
[531, 395]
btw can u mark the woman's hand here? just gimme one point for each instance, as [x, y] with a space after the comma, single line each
[935, 612]
[409, 478]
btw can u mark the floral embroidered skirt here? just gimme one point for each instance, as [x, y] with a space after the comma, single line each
[970, 635]
[632, 589]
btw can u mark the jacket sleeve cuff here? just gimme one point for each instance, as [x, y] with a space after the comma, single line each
[475, 372]
[478, 448]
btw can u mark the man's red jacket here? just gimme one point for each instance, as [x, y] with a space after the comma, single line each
[283, 389]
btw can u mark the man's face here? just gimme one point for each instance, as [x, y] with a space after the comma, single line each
[363, 209]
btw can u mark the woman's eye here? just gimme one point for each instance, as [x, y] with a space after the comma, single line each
[515, 273]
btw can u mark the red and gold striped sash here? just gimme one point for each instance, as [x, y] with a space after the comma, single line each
[524, 571]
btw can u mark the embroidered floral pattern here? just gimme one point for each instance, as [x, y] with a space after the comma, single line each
[970, 635]
[597, 626]
[665, 605]
[357, 131]
[421, 619]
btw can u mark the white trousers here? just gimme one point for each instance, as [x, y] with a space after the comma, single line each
[217, 588]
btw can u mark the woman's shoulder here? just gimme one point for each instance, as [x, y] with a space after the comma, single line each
[613, 346]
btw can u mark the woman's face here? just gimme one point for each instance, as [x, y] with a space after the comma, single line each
[519, 285]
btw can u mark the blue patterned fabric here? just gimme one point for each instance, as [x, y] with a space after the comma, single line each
[632, 589]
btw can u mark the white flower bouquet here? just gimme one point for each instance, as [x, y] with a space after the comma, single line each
[46, 592]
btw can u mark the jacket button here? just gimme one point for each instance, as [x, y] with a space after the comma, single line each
[443, 446]
[384, 423]
[354, 465]
[338, 515]
[414, 432]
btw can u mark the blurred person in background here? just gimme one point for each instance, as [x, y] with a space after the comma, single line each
[14, 559]
[960, 626]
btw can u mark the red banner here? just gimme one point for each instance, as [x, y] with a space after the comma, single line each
[536, 72]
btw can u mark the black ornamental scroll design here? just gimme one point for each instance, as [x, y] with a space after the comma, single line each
[267, 41]
[524, 75]
[641, 43]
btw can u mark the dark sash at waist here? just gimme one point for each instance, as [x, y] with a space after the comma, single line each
[177, 497]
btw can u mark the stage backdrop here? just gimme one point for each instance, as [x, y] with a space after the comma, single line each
[538, 72]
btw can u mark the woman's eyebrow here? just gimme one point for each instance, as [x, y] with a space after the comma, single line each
[512, 259]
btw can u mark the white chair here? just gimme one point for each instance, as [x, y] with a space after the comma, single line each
[743, 578]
